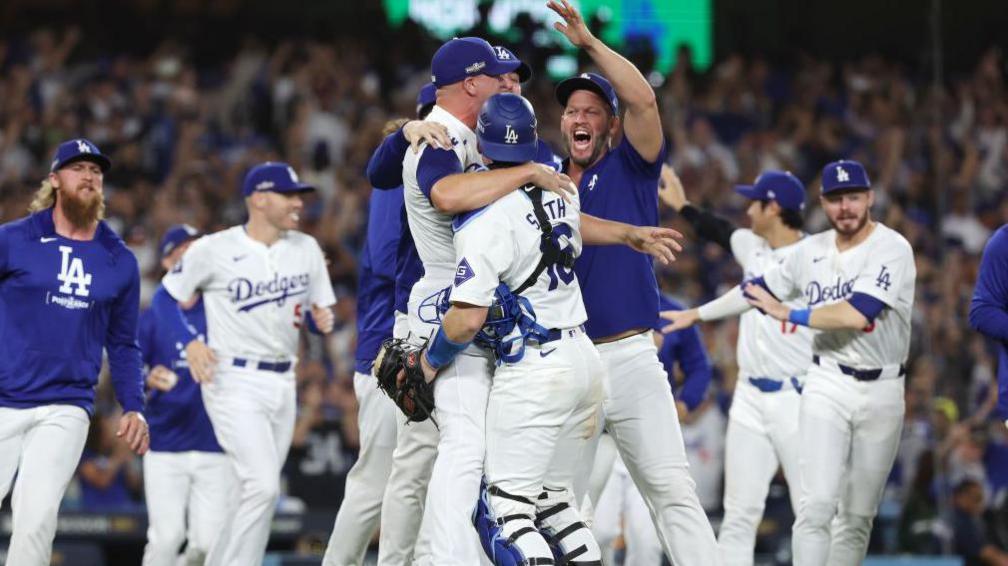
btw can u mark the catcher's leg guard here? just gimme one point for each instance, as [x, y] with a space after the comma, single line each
[560, 523]
[506, 531]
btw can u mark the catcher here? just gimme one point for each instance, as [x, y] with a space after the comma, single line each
[515, 293]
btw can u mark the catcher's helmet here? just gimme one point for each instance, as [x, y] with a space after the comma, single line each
[507, 129]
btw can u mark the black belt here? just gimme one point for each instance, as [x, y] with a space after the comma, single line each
[860, 374]
[554, 334]
[279, 367]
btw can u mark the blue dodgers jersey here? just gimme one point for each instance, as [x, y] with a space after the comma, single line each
[178, 420]
[377, 276]
[618, 284]
[61, 302]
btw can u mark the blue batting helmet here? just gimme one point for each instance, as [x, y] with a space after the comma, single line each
[507, 129]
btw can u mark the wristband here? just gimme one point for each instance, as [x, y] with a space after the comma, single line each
[800, 316]
[441, 351]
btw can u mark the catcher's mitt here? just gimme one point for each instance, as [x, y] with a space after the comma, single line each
[412, 394]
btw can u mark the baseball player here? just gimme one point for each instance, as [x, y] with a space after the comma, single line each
[382, 266]
[989, 308]
[466, 72]
[619, 287]
[772, 356]
[858, 282]
[260, 282]
[617, 500]
[69, 287]
[545, 403]
[187, 478]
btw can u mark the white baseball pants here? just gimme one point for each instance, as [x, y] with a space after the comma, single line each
[641, 417]
[360, 512]
[845, 425]
[43, 445]
[542, 414]
[762, 435]
[253, 414]
[447, 536]
[181, 488]
[621, 509]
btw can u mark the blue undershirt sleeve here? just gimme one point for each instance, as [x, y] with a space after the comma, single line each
[867, 305]
[123, 350]
[436, 164]
[384, 169]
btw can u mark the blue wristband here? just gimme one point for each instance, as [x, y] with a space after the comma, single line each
[800, 316]
[441, 351]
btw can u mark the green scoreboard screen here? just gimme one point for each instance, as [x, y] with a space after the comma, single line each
[666, 23]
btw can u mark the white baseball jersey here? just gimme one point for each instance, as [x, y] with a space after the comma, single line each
[882, 266]
[768, 347]
[255, 295]
[500, 244]
[432, 229]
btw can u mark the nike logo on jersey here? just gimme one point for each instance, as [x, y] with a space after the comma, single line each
[544, 354]
[818, 259]
[239, 257]
[45, 240]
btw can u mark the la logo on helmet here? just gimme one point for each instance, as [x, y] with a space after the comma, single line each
[510, 136]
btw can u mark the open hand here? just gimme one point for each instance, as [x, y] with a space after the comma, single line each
[573, 26]
[680, 319]
[549, 179]
[763, 300]
[434, 134]
[661, 243]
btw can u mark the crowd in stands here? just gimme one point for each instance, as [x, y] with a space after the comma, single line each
[182, 135]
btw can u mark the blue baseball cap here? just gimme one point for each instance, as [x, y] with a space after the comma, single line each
[506, 129]
[176, 236]
[426, 97]
[844, 174]
[463, 57]
[588, 81]
[79, 149]
[779, 186]
[505, 55]
[275, 176]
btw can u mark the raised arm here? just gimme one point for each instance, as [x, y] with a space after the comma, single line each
[642, 122]
[662, 243]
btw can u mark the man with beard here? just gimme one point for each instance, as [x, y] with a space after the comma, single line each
[858, 280]
[69, 287]
[619, 181]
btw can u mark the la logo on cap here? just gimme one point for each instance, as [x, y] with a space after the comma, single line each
[502, 53]
[842, 175]
[293, 175]
[83, 147]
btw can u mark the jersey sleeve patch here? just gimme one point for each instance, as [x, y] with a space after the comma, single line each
[463, 272]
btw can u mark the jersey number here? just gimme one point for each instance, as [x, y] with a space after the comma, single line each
[883, 281]
[559, 273]
[297, 315]
[784, 327]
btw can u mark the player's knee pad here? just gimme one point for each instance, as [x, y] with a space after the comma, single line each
[510, 539]
[816, 514]
[560, 523]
